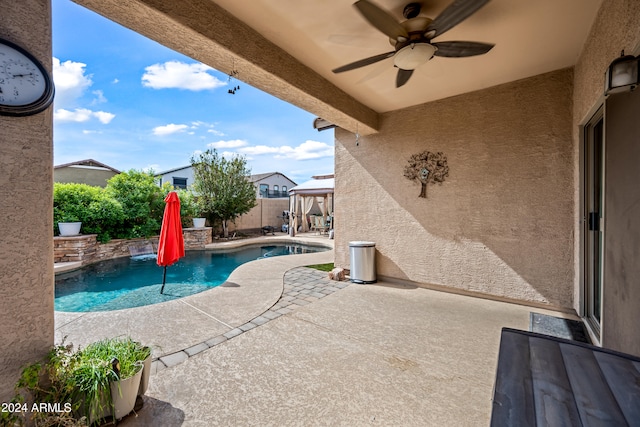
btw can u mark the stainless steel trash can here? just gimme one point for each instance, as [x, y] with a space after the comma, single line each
[363, 262]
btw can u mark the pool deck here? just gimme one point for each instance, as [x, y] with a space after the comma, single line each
[379, 354]
[173, 327]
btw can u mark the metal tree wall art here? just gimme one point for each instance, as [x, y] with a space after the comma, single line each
[427, 167]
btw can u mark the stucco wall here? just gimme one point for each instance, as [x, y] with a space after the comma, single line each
[501, 222]
[616, 28]
[182, 173]
[90, 176]
[26, 215]
[621, 289]
[266, 212]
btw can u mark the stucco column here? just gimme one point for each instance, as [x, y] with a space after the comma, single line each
[26, 211]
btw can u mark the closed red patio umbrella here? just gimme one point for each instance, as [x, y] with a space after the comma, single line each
[171, 243]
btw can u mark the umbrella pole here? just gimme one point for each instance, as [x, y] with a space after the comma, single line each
[164, 278]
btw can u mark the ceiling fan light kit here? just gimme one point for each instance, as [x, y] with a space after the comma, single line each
[412, 38]
[412, 56]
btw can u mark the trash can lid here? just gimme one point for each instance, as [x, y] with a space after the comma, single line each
[361, 244]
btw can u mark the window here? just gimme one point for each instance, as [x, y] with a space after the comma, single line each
[275, 188]
[284, 188]
[264, 190]
[179, 182]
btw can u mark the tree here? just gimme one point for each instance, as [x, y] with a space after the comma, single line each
[223, 187]
[426, 167]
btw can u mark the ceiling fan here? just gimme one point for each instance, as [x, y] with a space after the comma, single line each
[412, 39]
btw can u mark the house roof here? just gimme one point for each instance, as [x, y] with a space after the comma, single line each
[260, 176]
[252, 178]
[89, 163]
[173, 170]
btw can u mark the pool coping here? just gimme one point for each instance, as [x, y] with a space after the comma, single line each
[184, 327]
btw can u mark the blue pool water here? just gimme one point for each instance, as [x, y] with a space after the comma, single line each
[133, 282]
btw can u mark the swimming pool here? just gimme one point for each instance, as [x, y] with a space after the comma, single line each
[134, 282]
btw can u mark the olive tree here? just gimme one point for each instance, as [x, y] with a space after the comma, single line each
[222, 186]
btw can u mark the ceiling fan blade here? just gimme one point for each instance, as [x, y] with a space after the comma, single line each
[403, 76]
[461, 49]
[381, 19]
[454, 14]
[364, 62]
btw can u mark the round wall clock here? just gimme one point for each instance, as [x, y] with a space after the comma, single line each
[25, 85]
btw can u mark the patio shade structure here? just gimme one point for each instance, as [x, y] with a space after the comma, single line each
[171, 243]
[301, 200]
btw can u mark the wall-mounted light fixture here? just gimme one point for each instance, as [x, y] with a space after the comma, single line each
[622, 75]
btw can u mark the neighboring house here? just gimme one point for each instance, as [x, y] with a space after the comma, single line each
[87, 171]
[268, 185]
[272, 185]
[181, 177]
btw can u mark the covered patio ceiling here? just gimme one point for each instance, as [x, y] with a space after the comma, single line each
[289, 48]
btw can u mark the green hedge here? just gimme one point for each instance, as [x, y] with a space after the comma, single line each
[81, 202]
[130, 206]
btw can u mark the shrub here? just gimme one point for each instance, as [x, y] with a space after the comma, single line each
[105, 216]
[188, 205]
[71, 201]
[142, 202]
[98, 213]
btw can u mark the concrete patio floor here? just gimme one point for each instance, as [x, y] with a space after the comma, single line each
[378, 354]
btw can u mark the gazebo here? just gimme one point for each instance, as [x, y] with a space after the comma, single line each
[301, 198]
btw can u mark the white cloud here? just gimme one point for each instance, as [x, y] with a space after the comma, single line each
[308, 150]
[80, 115]
[104, 117]
[99, 99]
[89, 132]
[168, 129]
[210, 126]
[115, 81]
[234, 143]
[262, 149]
[179, 75]
[70, 80]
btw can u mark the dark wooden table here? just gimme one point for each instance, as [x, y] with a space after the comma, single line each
[547, 381]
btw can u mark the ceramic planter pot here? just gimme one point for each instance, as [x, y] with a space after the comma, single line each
[146, 372]
[124, 393]
[199, 222]
[69, 228]
[123, 399]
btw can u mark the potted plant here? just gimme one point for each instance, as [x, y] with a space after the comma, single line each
[108, 373]
[69, 226]
[100, 381]
[199, 222]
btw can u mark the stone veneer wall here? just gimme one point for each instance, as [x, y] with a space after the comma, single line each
[86, 249]
[500, 224]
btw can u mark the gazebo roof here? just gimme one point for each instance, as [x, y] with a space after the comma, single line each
[314, 187]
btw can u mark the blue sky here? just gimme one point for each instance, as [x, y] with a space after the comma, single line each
[131, 103]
